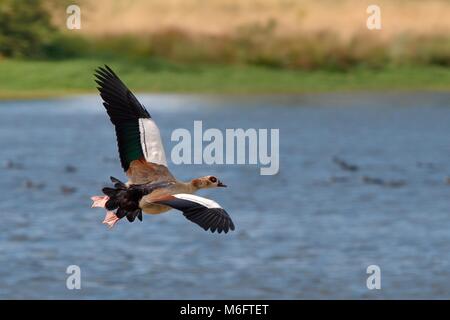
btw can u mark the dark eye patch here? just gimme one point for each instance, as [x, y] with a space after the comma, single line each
[213, 179]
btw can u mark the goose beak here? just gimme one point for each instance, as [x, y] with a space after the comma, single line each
[220, 184]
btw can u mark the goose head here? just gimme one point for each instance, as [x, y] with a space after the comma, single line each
[207, 182]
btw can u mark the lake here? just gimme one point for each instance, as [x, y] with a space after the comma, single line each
[362, 181]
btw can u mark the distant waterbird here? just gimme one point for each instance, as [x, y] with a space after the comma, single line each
[382, 182]
[29, 184]
[13, 165]
[427, 165]
[344, 165]
[70, 169]
[335, 179]
[67, 190]
[151, 188]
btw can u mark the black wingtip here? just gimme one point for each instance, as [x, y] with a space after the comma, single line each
[224, 224]
[104, 72]
[110, 70]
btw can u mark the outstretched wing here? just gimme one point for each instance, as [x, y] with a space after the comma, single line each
[140, 147]
[206, 213]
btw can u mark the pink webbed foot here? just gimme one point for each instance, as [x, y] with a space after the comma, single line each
[110, 219]
[99, 201]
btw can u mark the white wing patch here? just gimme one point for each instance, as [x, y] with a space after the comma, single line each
[151, 143]
[210, 204]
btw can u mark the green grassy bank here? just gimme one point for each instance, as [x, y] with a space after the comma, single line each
[37, 79]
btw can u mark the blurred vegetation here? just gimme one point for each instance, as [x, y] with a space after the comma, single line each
[25, 28]
[26, 33]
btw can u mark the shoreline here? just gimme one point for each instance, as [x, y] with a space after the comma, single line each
[140, 94]
[21, 79]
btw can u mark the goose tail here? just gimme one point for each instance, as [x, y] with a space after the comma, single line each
[119, 198]
[115, 194]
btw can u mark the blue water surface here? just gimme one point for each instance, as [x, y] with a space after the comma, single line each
[308, 232]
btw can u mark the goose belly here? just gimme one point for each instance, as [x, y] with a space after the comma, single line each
[151, 208]
[146, 202]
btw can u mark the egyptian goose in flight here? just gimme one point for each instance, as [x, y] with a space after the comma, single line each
[151, 188]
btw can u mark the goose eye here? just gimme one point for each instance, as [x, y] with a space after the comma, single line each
[213, 179]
